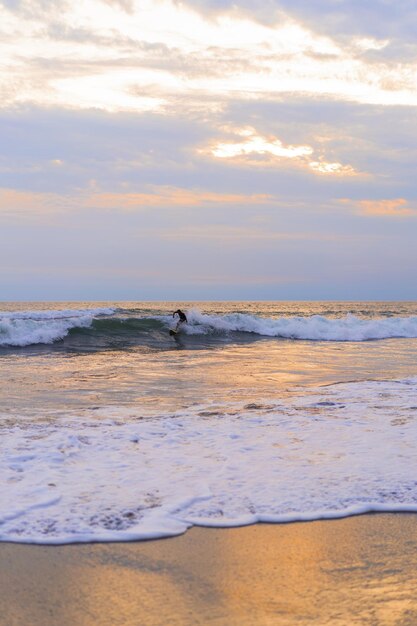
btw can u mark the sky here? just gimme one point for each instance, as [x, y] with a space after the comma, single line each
[208, 149]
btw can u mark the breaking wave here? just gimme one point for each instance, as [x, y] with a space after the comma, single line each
[106, 327]
[25, 328]
[315, 327]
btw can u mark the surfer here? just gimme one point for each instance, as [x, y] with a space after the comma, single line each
[182, 318]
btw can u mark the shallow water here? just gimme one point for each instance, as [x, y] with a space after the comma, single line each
[113, 430]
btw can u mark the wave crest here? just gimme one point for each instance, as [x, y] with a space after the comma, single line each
[315, 328]
[24, 328]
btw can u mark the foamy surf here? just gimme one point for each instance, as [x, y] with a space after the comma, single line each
[110, 325]
[24, 328]
[115, 474]
[315, 327]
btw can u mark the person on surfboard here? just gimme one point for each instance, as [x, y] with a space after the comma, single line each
[182, 318]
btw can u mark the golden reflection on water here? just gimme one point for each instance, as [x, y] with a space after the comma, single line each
[176, 378]
[359, 570]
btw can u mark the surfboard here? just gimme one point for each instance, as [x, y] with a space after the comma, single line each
[173, 332]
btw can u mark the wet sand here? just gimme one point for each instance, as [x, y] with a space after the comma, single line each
[360, 570]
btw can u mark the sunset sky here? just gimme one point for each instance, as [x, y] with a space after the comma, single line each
[207, 149]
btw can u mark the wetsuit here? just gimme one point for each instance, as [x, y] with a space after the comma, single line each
[182, 320]
[181, 315]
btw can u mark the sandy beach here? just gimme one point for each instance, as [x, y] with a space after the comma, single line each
[359, 570]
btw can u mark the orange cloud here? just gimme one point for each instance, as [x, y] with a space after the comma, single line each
[13, 202]
[169, 196]
[398, 207]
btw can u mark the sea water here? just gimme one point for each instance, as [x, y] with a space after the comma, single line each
[257, 411]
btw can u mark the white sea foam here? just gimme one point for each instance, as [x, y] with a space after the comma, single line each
[111, 474]
[316, 327]
[23, 328]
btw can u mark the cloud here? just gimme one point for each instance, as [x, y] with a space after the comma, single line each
[122, 152]
[126, 5]
[170, 197]
[127, 153]
[252, 143]
[372, 19]
[146, 56]
[396, 208]
[35, 9]
[332, 169]
[256, 150]
[15, 203]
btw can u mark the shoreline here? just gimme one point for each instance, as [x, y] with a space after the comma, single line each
[361, 569]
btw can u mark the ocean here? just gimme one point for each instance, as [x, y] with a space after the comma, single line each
[112, 430]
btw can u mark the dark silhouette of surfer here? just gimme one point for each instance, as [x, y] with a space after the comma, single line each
[182, 318]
